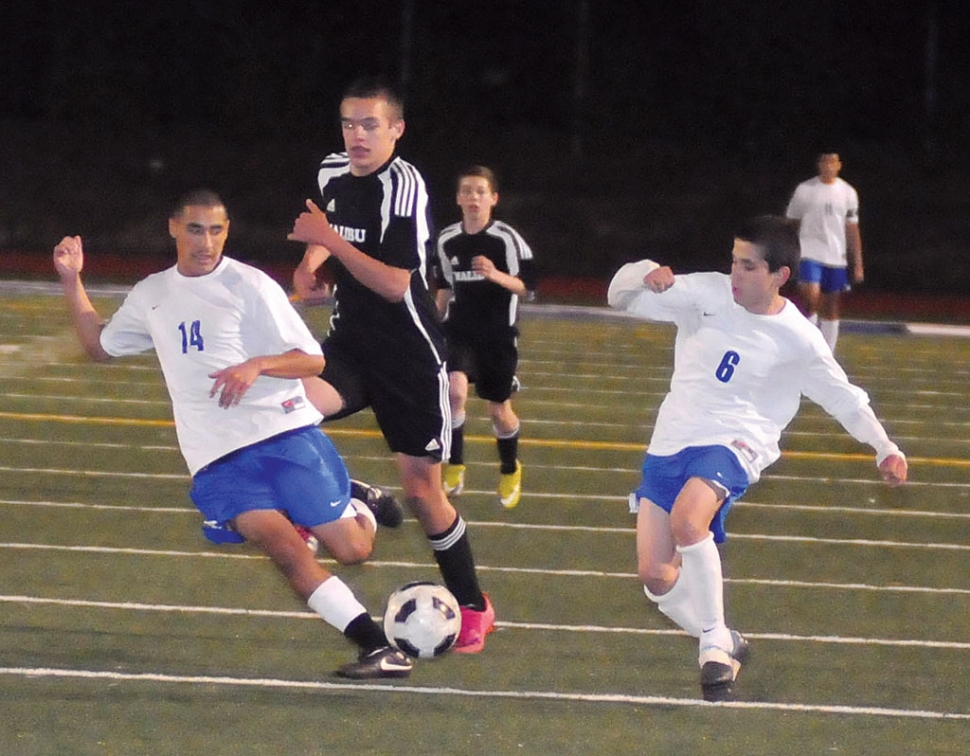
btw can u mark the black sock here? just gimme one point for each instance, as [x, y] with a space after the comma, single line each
[457, 444]
[366, 633]
[508, 453]
[453, 554]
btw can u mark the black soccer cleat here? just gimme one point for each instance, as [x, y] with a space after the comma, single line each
[719, 669]
[376, 664]
[717, 680]
[381, 502]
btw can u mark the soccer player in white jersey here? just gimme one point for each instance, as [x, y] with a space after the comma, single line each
[743, 357]
[385, 347]
[485, 267]
[827, 209]
[233, 350]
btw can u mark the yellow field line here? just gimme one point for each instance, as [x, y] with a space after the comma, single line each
[540, 442]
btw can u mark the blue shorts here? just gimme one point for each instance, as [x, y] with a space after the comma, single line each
[299, 473]
[664, 477]
[830, 279]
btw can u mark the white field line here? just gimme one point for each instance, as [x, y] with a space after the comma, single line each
[520, 695]
[546, 572]
[532, 626]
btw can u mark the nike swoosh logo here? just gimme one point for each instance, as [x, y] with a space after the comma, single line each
[335, 503]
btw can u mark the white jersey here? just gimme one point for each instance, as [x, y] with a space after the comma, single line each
[824, 210]
[739, 377]
[198, 325]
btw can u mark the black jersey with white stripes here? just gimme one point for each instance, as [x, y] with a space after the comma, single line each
[479, 306]
[386, 216]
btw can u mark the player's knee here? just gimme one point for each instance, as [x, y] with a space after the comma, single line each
[353, 552]
[653, 581]
[687, 531]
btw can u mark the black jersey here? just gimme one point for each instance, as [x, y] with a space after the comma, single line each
[386, 216]
[478, 305]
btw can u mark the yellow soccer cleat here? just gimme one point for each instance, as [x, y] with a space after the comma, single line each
[510, 487]
[453, 479]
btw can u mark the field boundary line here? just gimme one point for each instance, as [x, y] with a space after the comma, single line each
[548, 626]
[397, 564]
[614, 698]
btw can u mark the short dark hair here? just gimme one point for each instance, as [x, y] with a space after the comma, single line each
[367, 87]
[201, 197]
[778, 238]
[480, 171]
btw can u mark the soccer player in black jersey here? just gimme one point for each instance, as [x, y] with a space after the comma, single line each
[485, 268]
[385, 347]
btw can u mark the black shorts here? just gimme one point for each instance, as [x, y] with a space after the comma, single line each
[489, 363]
[408, 393]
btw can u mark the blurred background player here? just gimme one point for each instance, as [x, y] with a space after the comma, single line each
[485, 268]
[233, 350]
[743, 357]
[827, 209]
[385, 347]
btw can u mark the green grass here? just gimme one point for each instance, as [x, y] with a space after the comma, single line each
[123, 631]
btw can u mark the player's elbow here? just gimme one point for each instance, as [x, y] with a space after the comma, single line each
[94, 351]
[396, 286]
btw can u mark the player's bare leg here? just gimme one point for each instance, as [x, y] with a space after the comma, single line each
[270, 531]
[720, 649]
[809, 293]
[446, 530]
[349, 540]
[324, 593]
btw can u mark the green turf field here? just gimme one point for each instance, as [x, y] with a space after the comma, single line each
[123, 631]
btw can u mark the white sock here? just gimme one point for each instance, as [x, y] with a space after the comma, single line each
[457, 421]
[677, 605]
[357, 507]
[830, 330]
[335, 603]
[701, 573]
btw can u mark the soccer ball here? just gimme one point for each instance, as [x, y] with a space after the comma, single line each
[422, 619]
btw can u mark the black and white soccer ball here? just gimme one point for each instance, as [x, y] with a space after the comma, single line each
[422, 619]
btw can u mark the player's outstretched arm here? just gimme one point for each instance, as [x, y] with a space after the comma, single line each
[634, 278]
[313, 227]
[894, 469]
[68, 262]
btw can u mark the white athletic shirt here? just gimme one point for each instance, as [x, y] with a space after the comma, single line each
[198, 325]
[739, 377]
[823, 210]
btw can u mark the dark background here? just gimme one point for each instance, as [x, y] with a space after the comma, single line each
[620, 129]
